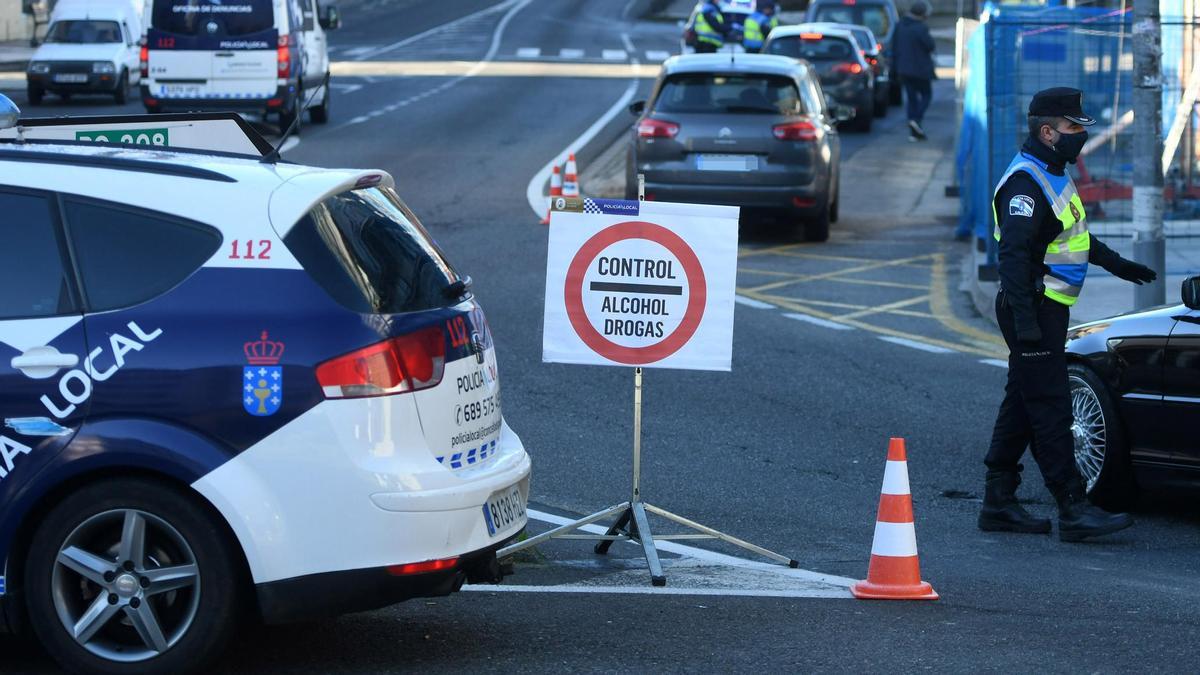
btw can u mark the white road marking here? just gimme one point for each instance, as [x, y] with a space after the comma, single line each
[290, 143]
[657, 55]
[534, 191]
[663, 590]
[438, 29]
[706, 555]
[751, 302]
[613, 54]
[345, 87]
[819, 322]
[514, 6]
[529, 52]
[995, 362]
[905, 342]
[359, 51]
[570, 53]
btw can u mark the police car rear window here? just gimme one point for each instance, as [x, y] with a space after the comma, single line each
[371, 255]
[33, 281]
[213, 17]
[724, 93]
[828, 48]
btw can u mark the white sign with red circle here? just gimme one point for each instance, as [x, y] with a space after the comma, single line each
[646, 284]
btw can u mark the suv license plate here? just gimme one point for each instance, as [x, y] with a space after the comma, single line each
[503, 509]
[727, 162]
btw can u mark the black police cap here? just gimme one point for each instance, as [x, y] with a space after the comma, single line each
[1060, 102]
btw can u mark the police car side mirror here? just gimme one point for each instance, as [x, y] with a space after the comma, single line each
[843, 113]
[1191, 292]
[637, 108]
[330, 18]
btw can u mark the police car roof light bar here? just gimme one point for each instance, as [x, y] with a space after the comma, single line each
[9, 113]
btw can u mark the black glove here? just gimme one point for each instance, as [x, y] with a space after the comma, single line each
[1029, 335]
[1135, 272]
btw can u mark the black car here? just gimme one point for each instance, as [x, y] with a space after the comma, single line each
[1135, 394]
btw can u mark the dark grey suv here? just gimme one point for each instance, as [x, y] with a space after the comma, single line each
[752, 131]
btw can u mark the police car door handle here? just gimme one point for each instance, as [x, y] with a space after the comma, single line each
[40, 363]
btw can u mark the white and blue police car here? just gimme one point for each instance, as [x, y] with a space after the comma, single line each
[229, 386]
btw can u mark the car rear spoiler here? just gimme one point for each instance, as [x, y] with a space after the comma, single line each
[223, 133]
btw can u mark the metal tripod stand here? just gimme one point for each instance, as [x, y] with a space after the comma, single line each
[632, 524]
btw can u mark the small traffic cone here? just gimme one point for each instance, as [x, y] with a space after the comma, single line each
[894, 573]
[571, 180]
[556, 190]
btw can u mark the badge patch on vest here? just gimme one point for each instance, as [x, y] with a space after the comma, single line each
[1021, 206]
[1074, 212]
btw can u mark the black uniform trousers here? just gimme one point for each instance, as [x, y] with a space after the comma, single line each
[1036, 412]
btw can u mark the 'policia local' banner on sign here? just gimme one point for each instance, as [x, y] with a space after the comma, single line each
[646, 284]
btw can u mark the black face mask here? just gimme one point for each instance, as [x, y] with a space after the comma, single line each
[1069, 146]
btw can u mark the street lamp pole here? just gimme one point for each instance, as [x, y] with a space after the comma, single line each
[1149, 244]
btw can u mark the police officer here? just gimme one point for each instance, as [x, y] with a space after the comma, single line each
[758, 26]
[711, 28]
[1045, 248]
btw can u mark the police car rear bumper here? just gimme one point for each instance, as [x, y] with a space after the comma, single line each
[275, 103]
[318, 596]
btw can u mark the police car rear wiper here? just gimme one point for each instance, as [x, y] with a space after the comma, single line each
[458, 289]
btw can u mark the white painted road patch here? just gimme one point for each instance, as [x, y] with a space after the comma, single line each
[819, 322]
[913, 344]
[994, 362]
[751, 302]
[697, 572]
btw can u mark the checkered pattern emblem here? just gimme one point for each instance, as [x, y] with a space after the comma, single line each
[590, 206]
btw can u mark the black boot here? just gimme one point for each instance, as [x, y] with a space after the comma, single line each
[1078, 519]
[1001, 512]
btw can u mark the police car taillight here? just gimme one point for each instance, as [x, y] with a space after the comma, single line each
[395, 366]
[283, 58]
[144, 61]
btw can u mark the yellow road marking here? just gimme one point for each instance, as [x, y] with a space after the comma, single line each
[846, 305]
[838, 273]
[884, 309]
[939, 304]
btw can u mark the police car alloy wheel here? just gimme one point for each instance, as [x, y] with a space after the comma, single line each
[131, 576]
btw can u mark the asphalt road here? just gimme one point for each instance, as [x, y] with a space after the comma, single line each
[786, 451]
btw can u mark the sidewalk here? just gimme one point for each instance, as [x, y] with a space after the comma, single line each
[15, 55]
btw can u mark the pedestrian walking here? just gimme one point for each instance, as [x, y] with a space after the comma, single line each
[759, 25]
[1045, 249]
[711, 28]
[912, 55]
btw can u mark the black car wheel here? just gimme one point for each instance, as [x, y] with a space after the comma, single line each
[895, 97]
[121, 95]
[1101, 453]
[816, 228]
[131, 576]
[35, 94]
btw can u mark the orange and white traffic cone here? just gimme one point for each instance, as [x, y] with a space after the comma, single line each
[571, 180]
[894, 573]
[556, 190]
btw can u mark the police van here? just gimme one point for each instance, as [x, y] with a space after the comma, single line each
[230, 385]
[261, 56]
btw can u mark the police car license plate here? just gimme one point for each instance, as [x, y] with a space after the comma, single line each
[503, 509]
[179, 90]
[727, 162]
[70, 78]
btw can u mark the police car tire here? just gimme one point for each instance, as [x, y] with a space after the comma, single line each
[319, 114]
[218, 610]
[1115, 488]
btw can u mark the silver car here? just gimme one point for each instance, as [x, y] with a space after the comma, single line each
[845, 75]
[749, 130]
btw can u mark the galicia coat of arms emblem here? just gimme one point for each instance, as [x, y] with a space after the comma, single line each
[262, 380]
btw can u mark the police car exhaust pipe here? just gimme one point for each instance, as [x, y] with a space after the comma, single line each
[486, 570]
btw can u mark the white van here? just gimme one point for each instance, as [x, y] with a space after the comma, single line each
[257, 56]
[90, 47]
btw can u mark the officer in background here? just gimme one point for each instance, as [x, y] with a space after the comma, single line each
[1045, 248]
[758, 26]
[711, 28]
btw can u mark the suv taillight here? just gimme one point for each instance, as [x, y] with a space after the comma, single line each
[144, 61]
[395, 366]
[795, 131]
[283, 58]
[651, 128]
